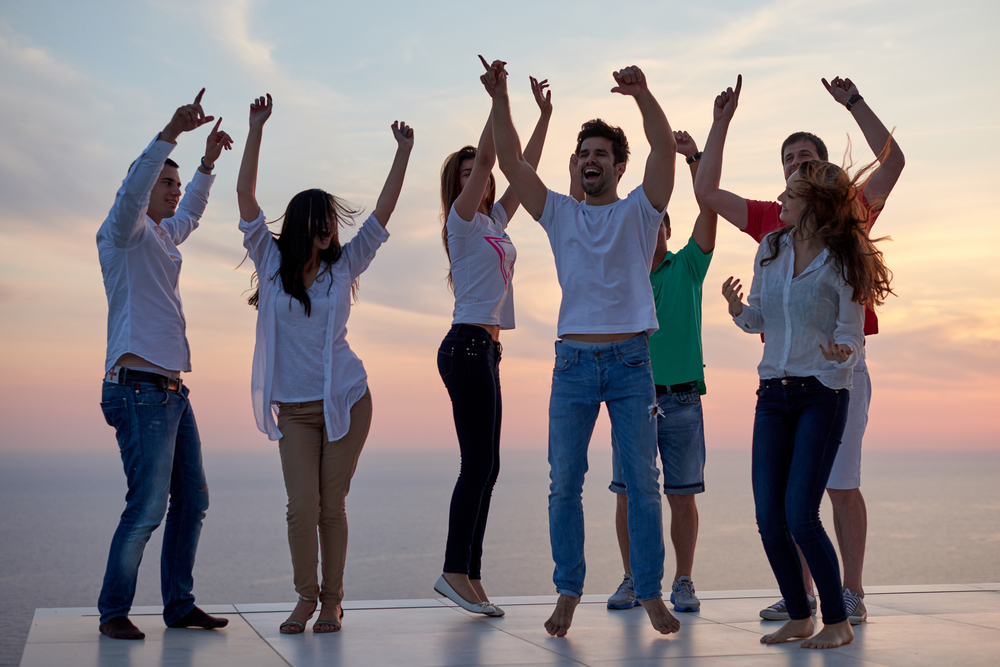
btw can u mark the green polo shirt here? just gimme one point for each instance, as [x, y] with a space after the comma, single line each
[675, 349]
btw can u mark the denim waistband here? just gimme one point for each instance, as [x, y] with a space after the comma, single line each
[579, 344]
[790, 382]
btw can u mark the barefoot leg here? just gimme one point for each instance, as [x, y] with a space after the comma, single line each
[477, 585]
[661, 618]
[831, 636]
[800, 629]
[562, 616]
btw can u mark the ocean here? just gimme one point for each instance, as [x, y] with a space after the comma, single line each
[934, 517]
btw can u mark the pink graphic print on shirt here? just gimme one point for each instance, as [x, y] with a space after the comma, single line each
[498, 243]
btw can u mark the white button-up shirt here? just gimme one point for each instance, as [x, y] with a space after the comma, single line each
[344, 377]
[142, 265]
[797, 314]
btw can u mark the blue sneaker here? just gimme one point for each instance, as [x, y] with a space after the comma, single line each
[624, 597]
[682, 595]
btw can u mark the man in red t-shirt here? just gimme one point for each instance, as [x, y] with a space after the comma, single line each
[759, 218]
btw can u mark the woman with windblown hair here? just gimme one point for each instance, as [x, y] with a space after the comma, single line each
[811, 281]
[303, 367]
[481, 258]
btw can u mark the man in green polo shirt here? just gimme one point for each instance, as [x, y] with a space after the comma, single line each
[679, 374]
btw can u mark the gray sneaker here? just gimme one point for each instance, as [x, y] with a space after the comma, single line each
[779, 612]
[682, 595]
[855, 606]
[624, 597]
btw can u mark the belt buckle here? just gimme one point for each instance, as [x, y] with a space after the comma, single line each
[174, 384]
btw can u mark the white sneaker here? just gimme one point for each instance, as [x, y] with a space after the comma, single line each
[855, 606]
[624, 597]
[682, 595]
[779, 612]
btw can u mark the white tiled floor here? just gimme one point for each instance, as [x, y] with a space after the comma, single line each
[908, 626]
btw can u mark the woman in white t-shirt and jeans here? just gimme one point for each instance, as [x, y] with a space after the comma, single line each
[303, 366]
[811, 279]
[481, 258]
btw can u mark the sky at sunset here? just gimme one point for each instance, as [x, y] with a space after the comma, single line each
[84, 87]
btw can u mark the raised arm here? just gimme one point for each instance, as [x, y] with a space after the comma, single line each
[394, 181]
[528, 187]
[533, 151]
[217, 141]
[706, 224]
[246, 182]
[471, 196]
[730, 206]
[876, 134]
[658, 179]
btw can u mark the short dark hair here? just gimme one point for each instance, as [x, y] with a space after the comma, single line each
[168, 162]
[598, 128]
[821, 151]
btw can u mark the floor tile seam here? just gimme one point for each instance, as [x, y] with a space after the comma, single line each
[941, 617]
[509, 633]
[266, 643]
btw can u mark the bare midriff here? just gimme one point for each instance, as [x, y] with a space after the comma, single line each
[600, 338]
[135, 361]
[493, 329]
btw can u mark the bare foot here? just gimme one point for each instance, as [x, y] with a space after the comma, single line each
[562, 617]
[330, 617]
[831, 636]
[461, 584]
[800, 629]
[477, 585]
[661, 618]
[296, 622]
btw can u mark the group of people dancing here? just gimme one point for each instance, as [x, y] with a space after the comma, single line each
[629, 336]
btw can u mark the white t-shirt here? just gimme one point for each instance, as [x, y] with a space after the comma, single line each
[482, 268]
[602, 258]
[299, 343]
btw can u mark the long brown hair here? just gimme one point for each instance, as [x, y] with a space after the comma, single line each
[451, 188]
[831, 200]
[310, 214]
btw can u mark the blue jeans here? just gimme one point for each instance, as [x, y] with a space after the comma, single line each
[680, 436]
[618, 375]
[469, 363]
[161, 453]
[796, 433]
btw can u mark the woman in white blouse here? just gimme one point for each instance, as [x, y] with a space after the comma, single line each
[811, 279]
[303, 366]
[481, 267]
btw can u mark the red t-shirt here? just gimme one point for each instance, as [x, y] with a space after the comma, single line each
[763, 218]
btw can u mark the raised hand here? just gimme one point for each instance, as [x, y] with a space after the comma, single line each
[260, 110]
[493, 76]
[217, 141]
[731, 290]
[631, 81]
[185, 119]
[841, 89]
[727, 101]
[543, 97]
[685, 144]
[403, 134]
[836, 352]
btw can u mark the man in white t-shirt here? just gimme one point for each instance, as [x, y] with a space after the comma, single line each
[603, 248]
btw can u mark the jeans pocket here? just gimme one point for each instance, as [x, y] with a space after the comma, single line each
[688, 397]
[636, 358]
[116, 414]
[446, 361]
[562, 363]
[152, 397]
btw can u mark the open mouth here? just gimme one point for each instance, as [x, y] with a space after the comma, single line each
[591, 172]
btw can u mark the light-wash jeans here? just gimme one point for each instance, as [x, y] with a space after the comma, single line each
[618, 375]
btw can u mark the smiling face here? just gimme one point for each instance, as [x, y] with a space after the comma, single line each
[165, 195]
[597, 168]
[791, 204]
[796, 153]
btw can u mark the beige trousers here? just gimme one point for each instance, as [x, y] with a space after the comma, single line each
[317, 478]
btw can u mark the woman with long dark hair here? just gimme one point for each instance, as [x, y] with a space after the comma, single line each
[481, 266]
[811, 281]
[303, 367]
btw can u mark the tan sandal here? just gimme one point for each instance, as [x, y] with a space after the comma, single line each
[325, 627]
[290, 627]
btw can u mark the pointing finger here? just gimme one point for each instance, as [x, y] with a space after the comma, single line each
[197, 99]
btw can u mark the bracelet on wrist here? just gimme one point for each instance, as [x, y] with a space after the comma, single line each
[855, 98]
[205, 166]
[691, 159]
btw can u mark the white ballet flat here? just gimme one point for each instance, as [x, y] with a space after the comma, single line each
[445, 589]
[497, 611]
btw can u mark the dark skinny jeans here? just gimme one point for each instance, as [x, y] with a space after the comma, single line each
[469, 363]
[796, 434]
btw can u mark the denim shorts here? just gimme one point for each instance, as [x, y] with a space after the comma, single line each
[680, 436]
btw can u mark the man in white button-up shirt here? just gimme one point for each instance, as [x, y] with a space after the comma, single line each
[142, 396]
